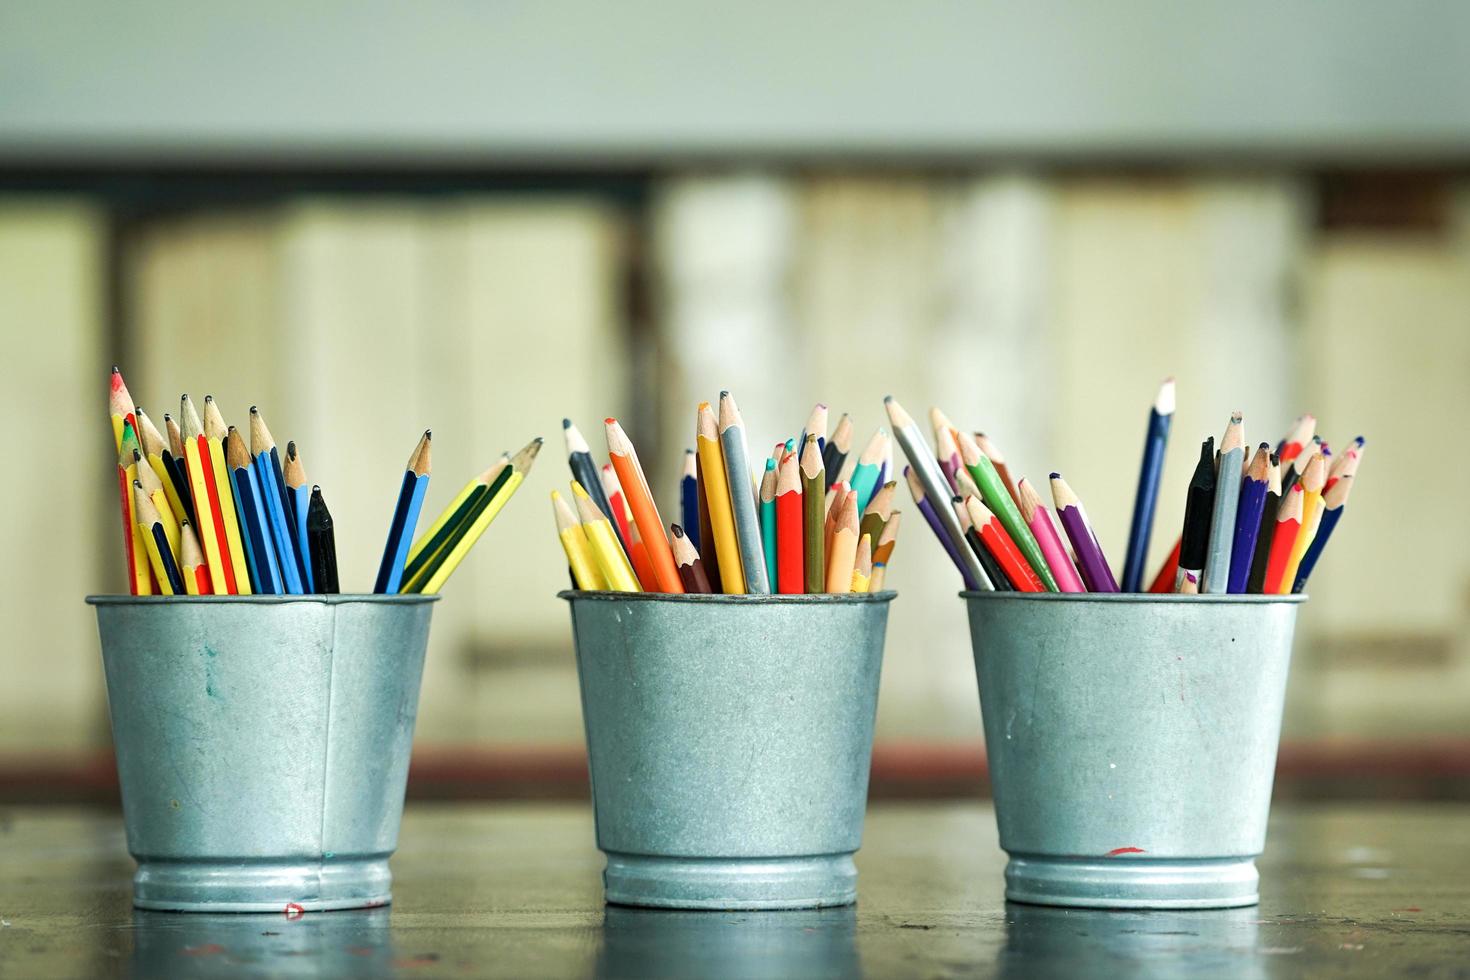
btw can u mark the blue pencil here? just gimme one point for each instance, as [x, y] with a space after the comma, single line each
[405, 518]
[298, 497]
[1248, 518]
[277, 503]
[1155, 441]
[1335, 502]
[260, 551]
[689, 498]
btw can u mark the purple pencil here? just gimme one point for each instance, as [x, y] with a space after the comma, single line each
[1248, 518]
[1096, 574]
[926, 507]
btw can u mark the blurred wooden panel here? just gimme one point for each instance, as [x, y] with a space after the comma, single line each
[62, 529]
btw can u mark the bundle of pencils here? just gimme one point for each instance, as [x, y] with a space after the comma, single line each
[203, 513]
[814, 518]
[1253, 523]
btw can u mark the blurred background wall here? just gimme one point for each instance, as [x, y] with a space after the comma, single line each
[370, 219]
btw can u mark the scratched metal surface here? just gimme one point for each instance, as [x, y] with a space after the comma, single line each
[729, 739]
[512, 890]
[263, 743]
[1143, 728]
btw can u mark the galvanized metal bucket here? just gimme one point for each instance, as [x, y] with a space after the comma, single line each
[729, 739]
[1132, 742]
[262, 744]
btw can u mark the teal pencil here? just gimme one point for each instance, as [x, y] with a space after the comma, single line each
[869, 468]
[768, 517]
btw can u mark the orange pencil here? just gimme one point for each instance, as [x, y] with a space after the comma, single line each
[637, 554]
[635, 490]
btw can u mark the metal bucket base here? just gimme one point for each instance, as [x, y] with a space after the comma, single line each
[1133, 883]
[262, 886]
[815, 881]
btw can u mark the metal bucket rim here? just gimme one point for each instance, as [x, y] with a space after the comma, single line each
[1138, 598]
[348, 598]
[719, 599]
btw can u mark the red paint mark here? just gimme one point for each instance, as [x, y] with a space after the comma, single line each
[208, 949]
[427, 959]
[1125, 850]
[361, 950]
[1411, 908]
[293, 911]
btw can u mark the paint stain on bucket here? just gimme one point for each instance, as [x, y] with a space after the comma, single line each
[293, 911]
[1125, 850]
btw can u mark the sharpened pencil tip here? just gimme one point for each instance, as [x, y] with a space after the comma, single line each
[678, 531]
[428, 433]
[566, 423]
[1056, 476]
[254, 410]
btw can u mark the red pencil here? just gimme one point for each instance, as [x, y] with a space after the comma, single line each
[993, 535]
[1288, 524]
[637, 554]
[1164, 582]
[790, 543]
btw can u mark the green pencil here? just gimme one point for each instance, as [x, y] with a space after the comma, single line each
[995, 495]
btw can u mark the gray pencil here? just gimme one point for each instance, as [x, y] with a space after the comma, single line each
[742, 497]
[936, 488]
[1227, 499]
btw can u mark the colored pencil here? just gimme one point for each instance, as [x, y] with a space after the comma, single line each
[742, 497]
[1038, 518]
[210, 528]
[879, 508]
[586, 472]
[1341, 461]
[717, 500]
[790, 545]
[887, 541]
[691, 567]
[689, 498]
[173, 463]
[947, 452]
[612, 560]
[580, 556]
[161, 461]
[192, 566]
[997, 459]
[255, 527]
[1293, 444]
[155, 543]
[1334, 504]
[215, 432]
[626, 530]
[639, 500]
[1248, 518]
[401, 526]
[1228, 472]
[1150, 474]
[135, 553]
[153, 488]
[976, 544]
[842, 556]
[813, 516]
[999, 502]
[119, 406]
[768, 519]
[299, 492]
[1190, 584]
[1283, 538]
[995, 539]
[323, 542]
[816, 425]
[506, 483]
[834, 454]
[1091, 564]
[1168, 574]
[175, 438]
[279, 504]
[1265, 536]
[865, 473]
[937, 490]
[862, 566]
[1314, 477]
[1199, 507]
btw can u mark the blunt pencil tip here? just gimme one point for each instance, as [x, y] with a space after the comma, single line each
[1055, 475]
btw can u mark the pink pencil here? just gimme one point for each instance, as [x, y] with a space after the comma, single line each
[1038, 518]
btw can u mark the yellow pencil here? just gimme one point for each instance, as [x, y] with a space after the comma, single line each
[149, 523]
[152, 443]
[520, 465]
[153, 487]
[191, 429]
[215, 432]
[439, 532]
[191, 561]
[1314, 477]
[862, 569]
[140, 577]
[119, 406]
[717, 502]
[574, 542]
[611, 559]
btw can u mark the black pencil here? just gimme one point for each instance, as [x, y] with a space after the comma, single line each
[1199, 507]
[323, 543]
[1262, 557]
[586, 472]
